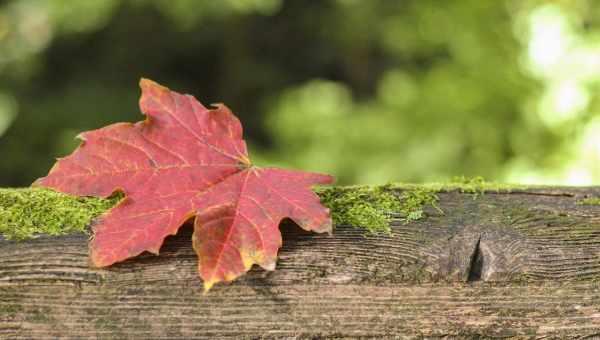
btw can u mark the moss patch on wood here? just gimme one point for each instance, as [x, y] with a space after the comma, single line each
[589, 201]
[360, 206]
[8, 309]
[469, 185]
[28, 212]
[372, 207]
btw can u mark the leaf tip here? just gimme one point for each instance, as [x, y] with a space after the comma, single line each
[38, 182]
[151, 88]
[95, 262]
[96, 259]
[145, 83]
[208, 285]
[219, 106]
[327, 179]
[327, 227]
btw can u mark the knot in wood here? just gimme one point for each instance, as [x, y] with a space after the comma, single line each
[478, 253]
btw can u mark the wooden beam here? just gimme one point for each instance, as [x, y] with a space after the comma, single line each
[500, 264]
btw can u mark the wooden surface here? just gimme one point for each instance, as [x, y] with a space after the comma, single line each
[523, 264]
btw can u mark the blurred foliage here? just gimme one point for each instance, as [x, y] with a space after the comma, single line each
[370, 91]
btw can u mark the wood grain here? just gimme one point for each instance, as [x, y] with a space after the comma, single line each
[520, 264]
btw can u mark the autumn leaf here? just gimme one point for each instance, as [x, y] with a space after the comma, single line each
[186, 161]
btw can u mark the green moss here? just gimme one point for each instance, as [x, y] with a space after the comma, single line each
[474, 185]
[413, 202]
[360, 206]
[469, 185]
[40, 315]
[589, 201]
[372, 207]
[27, 212]
[9, 309]
[466, 185]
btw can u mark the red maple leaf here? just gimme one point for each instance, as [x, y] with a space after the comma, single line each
[183, 161]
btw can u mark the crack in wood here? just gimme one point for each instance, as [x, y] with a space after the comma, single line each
[476, 264]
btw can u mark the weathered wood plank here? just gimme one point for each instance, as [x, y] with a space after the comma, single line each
[512, 264]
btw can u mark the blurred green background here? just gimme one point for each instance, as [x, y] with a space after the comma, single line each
[370, 91]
